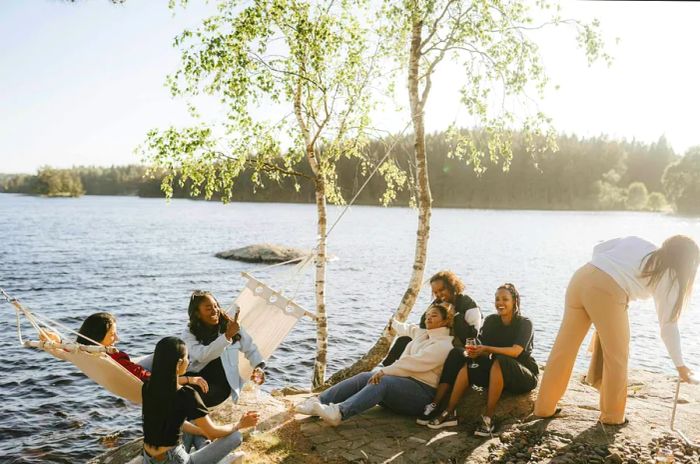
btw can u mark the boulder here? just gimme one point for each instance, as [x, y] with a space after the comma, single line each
[263, 253]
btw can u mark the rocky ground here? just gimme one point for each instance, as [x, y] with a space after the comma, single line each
[573, 437]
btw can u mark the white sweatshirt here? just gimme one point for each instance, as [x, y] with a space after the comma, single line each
[623, 259]
[424, 355]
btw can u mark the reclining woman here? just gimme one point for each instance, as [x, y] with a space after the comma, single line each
[404, 386]
[168, 406]
[102, 328]
[214, 340]
[504, 360]
[446, 287]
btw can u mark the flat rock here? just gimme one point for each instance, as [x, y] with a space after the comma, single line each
[263, 253]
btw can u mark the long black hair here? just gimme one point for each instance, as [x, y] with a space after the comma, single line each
[159, 391]
[95, 327]
[204, 334]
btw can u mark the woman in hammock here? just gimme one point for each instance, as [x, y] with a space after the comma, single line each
[168, 407]
[403, 387]
[213, 340]
[504, 361]
[102, 328]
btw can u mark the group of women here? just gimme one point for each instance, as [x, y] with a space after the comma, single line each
[183, 379]
[439, 356]
[431, 364]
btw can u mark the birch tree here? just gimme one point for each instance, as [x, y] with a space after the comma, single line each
[501, 65]
[306, 61]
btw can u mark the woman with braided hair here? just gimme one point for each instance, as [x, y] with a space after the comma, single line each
[504, 360]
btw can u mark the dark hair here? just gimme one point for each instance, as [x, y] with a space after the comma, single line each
[203, 333]
[95, 327]
[446, 311]
[159, 391]
[450, 280]
[679, 255]
[516, 297]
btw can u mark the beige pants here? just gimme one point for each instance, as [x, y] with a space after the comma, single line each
[592, 296]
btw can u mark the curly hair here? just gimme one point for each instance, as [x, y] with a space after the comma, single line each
[450, 280]
[516, 297]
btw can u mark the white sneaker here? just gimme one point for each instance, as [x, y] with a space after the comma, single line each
[236, 458]
[307, 406]
[330, 413]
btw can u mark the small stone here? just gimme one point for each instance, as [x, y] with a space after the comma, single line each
[613, 458]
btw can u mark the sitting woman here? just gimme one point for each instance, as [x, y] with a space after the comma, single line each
[403, 387]
[214, 340]
[504, 361]
[168, 406]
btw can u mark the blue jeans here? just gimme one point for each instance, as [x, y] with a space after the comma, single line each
[213, 453]
[402, 395]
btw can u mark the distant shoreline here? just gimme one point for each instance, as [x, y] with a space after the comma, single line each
[359, 203]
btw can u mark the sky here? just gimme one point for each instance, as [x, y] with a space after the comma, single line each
[81, 83]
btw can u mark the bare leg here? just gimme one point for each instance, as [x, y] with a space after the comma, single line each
[495, 387]
[461, 384]
[440, 393]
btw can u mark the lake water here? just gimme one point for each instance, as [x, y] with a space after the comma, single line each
[140, 258]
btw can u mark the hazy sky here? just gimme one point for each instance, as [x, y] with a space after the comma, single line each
[82, 83]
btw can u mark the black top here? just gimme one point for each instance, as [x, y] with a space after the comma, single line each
[167, 430]
[460, 329]
[519, 332]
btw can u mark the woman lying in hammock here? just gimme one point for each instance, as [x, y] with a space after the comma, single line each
[403, 387]
[102, 328]
[214, 340]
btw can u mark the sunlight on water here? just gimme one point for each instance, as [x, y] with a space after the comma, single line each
[140, 258]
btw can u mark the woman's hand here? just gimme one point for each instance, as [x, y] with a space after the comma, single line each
[200, 382]
[477, 351]
[685, 374]
[46, 335]
[376, 378]
[258, 376]
[232, 326]
[249, 419]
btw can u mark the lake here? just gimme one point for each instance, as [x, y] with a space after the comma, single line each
[140, 259]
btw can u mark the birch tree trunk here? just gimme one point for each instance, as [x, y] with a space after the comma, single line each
[321, 221]
[417, 100]
[319, 375]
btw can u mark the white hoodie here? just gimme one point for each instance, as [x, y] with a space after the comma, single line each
[424, 355]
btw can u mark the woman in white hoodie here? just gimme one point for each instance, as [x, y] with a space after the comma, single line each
[403, 387]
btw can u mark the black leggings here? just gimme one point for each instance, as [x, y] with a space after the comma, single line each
[219, 389]
[453, 364]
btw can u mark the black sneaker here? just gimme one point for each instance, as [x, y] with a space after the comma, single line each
[486, 428]
[429, 414]
[445, 419]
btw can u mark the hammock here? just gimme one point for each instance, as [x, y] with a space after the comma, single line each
[267, 316]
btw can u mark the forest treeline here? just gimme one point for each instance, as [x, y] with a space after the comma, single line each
[585, 173]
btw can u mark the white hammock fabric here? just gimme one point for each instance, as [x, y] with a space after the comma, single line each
[267, 316]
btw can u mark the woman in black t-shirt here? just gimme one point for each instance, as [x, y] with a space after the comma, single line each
[504, 360]
[169, 408]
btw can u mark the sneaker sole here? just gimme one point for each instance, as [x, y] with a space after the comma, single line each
[483, 434]
[450, 423]
[423, 421]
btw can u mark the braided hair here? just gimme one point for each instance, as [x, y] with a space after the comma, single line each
[516, 297]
